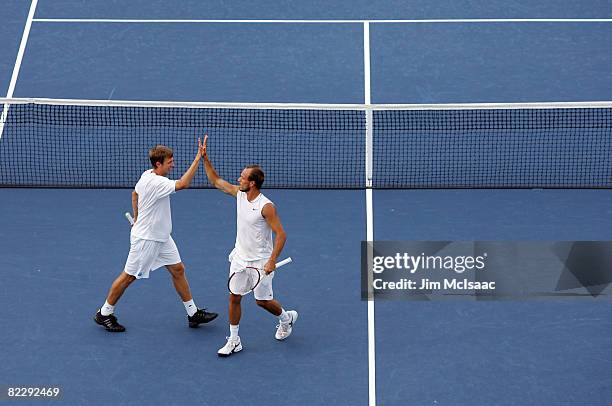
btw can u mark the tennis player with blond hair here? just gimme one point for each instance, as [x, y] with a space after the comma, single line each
[151, 245]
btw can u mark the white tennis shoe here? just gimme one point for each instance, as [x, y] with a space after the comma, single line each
[283, 330]
[230, 347]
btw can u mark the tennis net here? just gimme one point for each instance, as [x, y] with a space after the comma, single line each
[95, 144]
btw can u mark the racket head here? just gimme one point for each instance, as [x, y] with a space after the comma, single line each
[243, 281]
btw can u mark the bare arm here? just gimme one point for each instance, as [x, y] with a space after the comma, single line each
[185, 180]
[135, 204]
[273, 220]
[214, 178]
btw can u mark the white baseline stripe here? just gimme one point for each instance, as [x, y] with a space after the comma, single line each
[429, 21]
[17, 67]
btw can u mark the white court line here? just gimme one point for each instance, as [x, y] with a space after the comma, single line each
[424, 21]
[369, 215]
[17, 67]
[311, 106]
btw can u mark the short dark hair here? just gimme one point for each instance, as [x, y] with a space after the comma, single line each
[256, 175]
[160, 153]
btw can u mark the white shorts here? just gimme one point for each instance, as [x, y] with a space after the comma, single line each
[263, 291]
[146, 256]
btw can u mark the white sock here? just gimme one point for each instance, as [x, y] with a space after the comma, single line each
[284, 316]
[234, 331]
[190, 307]
[107, 309]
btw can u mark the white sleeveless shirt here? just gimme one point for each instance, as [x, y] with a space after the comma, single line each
[253, 234]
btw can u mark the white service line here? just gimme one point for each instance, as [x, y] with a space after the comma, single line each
[17, 67]
[424, 21]
[369, 215]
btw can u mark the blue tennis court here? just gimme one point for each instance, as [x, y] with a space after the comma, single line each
[63, 247]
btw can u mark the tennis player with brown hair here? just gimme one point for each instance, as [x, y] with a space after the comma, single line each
[151, 245]
[257, 219]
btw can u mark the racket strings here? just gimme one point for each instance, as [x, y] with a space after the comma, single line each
[244, 281]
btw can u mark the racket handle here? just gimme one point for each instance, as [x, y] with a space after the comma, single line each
[129, 218]
[283, 262]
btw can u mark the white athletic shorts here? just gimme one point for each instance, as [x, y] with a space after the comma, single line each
[147, 255]
[263, 291]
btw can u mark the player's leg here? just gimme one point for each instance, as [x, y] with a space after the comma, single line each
[264, 296]
[195, 316]
[235, 309]
[105, 316]
[272, 306]
[169, 257]
[118, 287]
[138, 264]
[233, 343]
[179, 280]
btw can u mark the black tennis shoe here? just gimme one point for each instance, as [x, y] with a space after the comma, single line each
[201, 316]
[109, 322]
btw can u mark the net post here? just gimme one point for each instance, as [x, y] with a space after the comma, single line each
[3, 118]
[369, 160]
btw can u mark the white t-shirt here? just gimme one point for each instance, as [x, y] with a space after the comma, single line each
[154, 220]
[253, 234]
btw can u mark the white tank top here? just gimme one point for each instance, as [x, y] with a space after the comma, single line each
[253, 234]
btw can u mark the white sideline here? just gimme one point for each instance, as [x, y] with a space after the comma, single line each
[369, 214]
[17, 67]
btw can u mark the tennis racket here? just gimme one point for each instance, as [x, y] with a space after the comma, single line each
[246, 280]
[129, 218]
